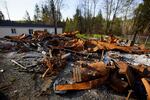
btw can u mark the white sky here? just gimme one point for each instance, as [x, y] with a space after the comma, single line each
[17, 8]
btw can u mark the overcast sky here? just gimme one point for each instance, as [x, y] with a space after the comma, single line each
[17, 8]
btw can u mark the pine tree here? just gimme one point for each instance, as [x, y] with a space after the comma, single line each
[67, 26]
[37, 13]
[1, 16]
[77, 19]
[27, 16]
[46, 17]
[98, 23]
[142, 19]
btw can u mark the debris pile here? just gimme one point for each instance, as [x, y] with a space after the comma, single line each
[79, 64]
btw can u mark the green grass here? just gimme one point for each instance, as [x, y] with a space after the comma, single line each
[87, 36]
[96, 35]
[82, 36]
[148, 45]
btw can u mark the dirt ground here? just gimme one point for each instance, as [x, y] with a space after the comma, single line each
[18, 85]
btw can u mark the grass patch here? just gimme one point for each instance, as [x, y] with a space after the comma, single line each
[87, 36]
[82, 36]
[97, 35]
[148, 45]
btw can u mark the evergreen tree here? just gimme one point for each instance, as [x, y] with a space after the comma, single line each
[27, 16]
[37, 13]
[117, 26]
[142, 19]
[77, 20]
[46, 17]
[98, 23]
[1, 16]
[67, 26]
[53, 9]
[59, 16]
[142, 16]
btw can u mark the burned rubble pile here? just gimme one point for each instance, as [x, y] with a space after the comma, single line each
[82, 64]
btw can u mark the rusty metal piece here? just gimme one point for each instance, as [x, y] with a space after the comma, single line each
[75, 44]
[70, 34]
[147, 87]
[142, 46]
[142, 70]
[47, 62]
[39, 35]
[129, 94]
[126, 70]
[17, 37]
[108, 46]
[122, 67]
[113, 46]
[112, 39]
[46, 84]
[93, 71]
[77, 74]
[100, 67]
[117, 84]
[93, 44]
[82, 86]
[139, 68]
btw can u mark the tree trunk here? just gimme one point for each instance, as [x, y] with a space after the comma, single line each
[55, 25]
[146, 40]
[53, 8]
[134, 38]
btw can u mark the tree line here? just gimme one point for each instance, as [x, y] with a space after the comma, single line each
[47, 13]
[114, 17]
[117, 17]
